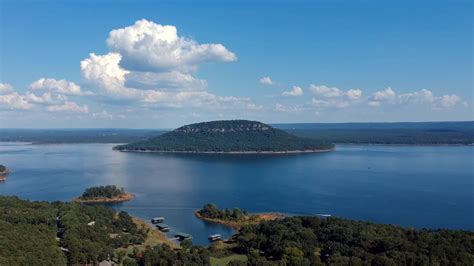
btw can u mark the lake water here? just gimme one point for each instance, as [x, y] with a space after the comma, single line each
[411, 186]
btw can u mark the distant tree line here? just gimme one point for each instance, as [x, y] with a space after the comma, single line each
[77, 135]
[109, 191]
[389, 136]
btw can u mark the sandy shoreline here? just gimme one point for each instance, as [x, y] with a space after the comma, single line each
[121, 198]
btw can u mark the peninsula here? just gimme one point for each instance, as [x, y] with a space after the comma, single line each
[228, 136]
[235, 218]
[104, 194]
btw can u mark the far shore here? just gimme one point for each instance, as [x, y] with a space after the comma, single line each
[232, 152]
[250, 219]
[121, 198]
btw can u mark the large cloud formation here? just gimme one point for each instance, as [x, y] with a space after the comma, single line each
[148, 46]
[54, 100]
[151, 64]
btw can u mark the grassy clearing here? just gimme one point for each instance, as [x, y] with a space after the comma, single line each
[226, 260]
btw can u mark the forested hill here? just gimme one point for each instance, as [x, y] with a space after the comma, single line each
[227, 136]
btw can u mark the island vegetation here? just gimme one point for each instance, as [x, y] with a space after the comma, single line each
[3, 172]
[3, 169]
[100, 194]
[235, 218]
[59, 233]
[232, 136]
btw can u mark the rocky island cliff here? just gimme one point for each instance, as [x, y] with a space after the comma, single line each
[228, 136]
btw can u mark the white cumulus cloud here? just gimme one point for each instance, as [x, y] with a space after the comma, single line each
[450, 100]
[104, 71]
[354, 94]
[14, 100]
[266, 81]
[45, 98]
[295, 91]
[149, 46]
[59, 86]
[5, 88]
[325, 91]
[69, 107]
[384, 95]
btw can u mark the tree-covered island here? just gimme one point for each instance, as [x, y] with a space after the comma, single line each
[229, 136]
[3, 172]
[3, 169]
[100, 194]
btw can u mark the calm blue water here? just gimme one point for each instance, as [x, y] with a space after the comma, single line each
[412, 186]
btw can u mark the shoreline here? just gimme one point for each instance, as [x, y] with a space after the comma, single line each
[337, 143]
[405, 144]
[125, 197]
[231, 152]
[250, 219]
[154, 235]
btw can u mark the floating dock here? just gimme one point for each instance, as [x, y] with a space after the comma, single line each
[157, 220]
[183, 236]
[215, 237]
[163, 227]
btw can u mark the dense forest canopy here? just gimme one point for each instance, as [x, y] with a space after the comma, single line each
[109, 191]
[33, 233]
[227, 136]
[334, 241]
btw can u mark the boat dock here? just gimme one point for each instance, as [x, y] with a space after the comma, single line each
[157, 220]
[163, 227]
[183, 236]
[215, 237]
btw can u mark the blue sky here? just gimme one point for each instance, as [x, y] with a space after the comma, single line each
[273, 61]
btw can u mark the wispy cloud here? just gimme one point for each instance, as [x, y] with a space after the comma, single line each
[267, 81]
